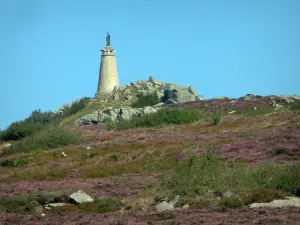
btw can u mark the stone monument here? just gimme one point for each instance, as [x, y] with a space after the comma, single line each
[108, 73]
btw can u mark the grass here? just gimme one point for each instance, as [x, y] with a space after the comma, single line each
[102, 205]
[48, 138]
[199, 175]
[28, 204]
[164, 116]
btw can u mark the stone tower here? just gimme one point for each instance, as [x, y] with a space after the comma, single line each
[108, 73]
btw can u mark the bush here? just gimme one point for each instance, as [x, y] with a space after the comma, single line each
[75, 107]
[38, 117]
[20, 129]
[34, 123]
[146, 100]
[11, 163]
[295, 105]
[211, 173]
[48, 138]
[216, 116]
[102, 205]
[164, 116]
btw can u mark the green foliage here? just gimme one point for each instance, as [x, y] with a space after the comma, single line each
[19, 130]
[216, 116]
[102, 205]
[34, 123]
[164, 116]
[50, 137]
[11, 163]
[38, 117]
[75, 107]
[278, 151]
[20, 204]
[231, 202]
[295, 105]
[211, 173]
[115, 158]
[146, 100]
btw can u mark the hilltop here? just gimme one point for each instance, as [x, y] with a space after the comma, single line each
[154, 153]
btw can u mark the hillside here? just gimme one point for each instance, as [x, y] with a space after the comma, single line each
[207, 161]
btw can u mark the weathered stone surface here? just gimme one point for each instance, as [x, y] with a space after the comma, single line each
[289, 201]
[81, 197]
[114, 114]
[164, 206]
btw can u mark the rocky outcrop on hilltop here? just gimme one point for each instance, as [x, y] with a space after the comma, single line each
[168, 92]
[114, 114]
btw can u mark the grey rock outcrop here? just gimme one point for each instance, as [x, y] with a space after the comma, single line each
[289, 201]
[114, 114]
[165, 91]
[80, 197]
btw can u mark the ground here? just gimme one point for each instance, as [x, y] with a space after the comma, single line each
[130, 164]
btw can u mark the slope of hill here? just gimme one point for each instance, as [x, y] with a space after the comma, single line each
[204, 172]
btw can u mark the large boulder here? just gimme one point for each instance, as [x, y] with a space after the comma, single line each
[165, 91]
[115, 114]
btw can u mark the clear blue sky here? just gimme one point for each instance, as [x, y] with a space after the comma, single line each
[50, 49]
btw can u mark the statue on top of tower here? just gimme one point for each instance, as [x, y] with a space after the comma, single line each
[108, 39]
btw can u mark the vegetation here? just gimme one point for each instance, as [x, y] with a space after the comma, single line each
[34, 123]
[164, 116]
[11, 163]
[102, 205]
[295, 105]
[50, 137]
[75, 107]
[216, 116]
[198, 175]
[146, 100]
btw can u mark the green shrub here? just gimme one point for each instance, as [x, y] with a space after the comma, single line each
[19, 204]
[216, 116]
[7, 163]
[48, 138]
[38, 117]
[19, 130]
[164, 116]
[102, 205]
[231, 202]
[115, 158]
[146, 100]
[75, 107]
[34, 123]
[295, 105]
[11, 163]
[210, 173]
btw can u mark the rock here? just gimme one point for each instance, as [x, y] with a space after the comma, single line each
[192, 90]
[251, 97]
[186, 206]
[63, 154]
[289, 201]
[115, 114]
[80, 197]
[53, 205]
[7, 145]
[170, 101]
[164, 206]
[175, 200]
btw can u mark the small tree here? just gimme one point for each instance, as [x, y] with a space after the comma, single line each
[216, 116]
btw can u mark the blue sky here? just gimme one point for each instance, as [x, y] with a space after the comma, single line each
[50, 49]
